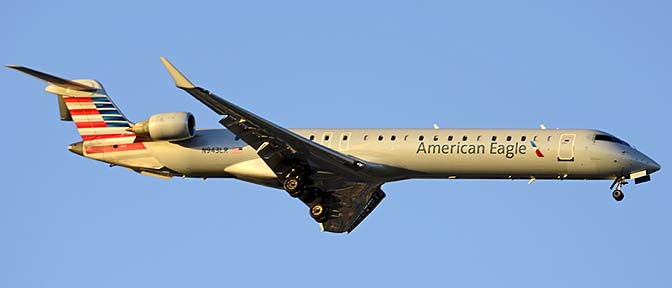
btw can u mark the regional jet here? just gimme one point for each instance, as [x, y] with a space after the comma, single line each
[337, 173]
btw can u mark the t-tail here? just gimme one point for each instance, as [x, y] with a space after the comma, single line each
[86, 103]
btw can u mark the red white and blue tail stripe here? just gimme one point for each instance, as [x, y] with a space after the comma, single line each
[95, 115]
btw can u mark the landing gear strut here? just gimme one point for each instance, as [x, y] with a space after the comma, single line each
[618, 194]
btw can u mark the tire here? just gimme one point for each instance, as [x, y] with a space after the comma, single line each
[618, 195]
[292, 186]
[318, 212]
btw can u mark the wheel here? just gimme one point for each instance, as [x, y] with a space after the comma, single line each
[292, 186]
[618, 195]
[318, 212]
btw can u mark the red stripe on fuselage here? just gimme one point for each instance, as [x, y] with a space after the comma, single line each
[84, 112]
[79, 99]
[538, 152]
[115, 148]
[106, 136]
[92, 124]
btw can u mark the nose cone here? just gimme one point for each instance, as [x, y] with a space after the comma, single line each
[652, 166]
[638, 162]
[645, 162]
[77, 148]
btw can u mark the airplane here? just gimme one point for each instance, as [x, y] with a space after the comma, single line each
[337, 173]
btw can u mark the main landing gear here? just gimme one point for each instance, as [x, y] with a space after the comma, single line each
[297, 187]
[618, 194]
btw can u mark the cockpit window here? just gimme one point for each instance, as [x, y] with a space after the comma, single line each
[609, 138]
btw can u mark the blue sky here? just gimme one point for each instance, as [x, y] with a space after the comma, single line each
[71, 222]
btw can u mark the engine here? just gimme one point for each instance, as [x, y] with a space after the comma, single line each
[172, 126]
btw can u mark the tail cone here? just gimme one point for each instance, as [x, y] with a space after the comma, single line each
[77, 148]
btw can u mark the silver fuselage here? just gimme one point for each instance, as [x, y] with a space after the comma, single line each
[406, 153]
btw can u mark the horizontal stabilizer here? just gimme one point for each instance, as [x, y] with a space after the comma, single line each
[53, 79]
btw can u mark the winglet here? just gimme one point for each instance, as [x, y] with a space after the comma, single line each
[51, 79]
[180, 80]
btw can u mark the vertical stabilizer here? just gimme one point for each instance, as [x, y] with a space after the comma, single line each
[86, 103]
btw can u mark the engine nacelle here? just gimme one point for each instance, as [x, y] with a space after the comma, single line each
[172, 126]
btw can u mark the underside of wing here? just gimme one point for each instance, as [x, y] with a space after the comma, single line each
[341, 190]
[350, 206]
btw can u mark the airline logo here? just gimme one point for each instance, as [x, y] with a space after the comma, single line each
[507, 150]
[536, 149]
[97, 117]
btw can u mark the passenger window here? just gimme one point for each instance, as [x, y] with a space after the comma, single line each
[393, 137]
[478, 138]
[380, 138]
[464, 138]
[326, 137]
[535, 138]
[345, 137]
[421, 138]
[312, 137]
[549, 138]
[366, 137]
[523, 138]
[494, 138]
[450, 138]
[508, 138]
[436, 137]
[405, 137]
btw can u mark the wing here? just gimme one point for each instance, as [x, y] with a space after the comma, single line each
[346, 187]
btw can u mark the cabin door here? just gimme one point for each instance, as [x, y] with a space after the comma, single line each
[566, 147]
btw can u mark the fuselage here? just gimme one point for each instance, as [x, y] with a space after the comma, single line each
[409, 153]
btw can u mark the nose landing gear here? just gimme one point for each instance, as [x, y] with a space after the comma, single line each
[618, 194]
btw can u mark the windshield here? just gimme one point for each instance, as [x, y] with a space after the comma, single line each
[609, 138]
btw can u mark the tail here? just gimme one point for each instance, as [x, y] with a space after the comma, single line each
[86, 103]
